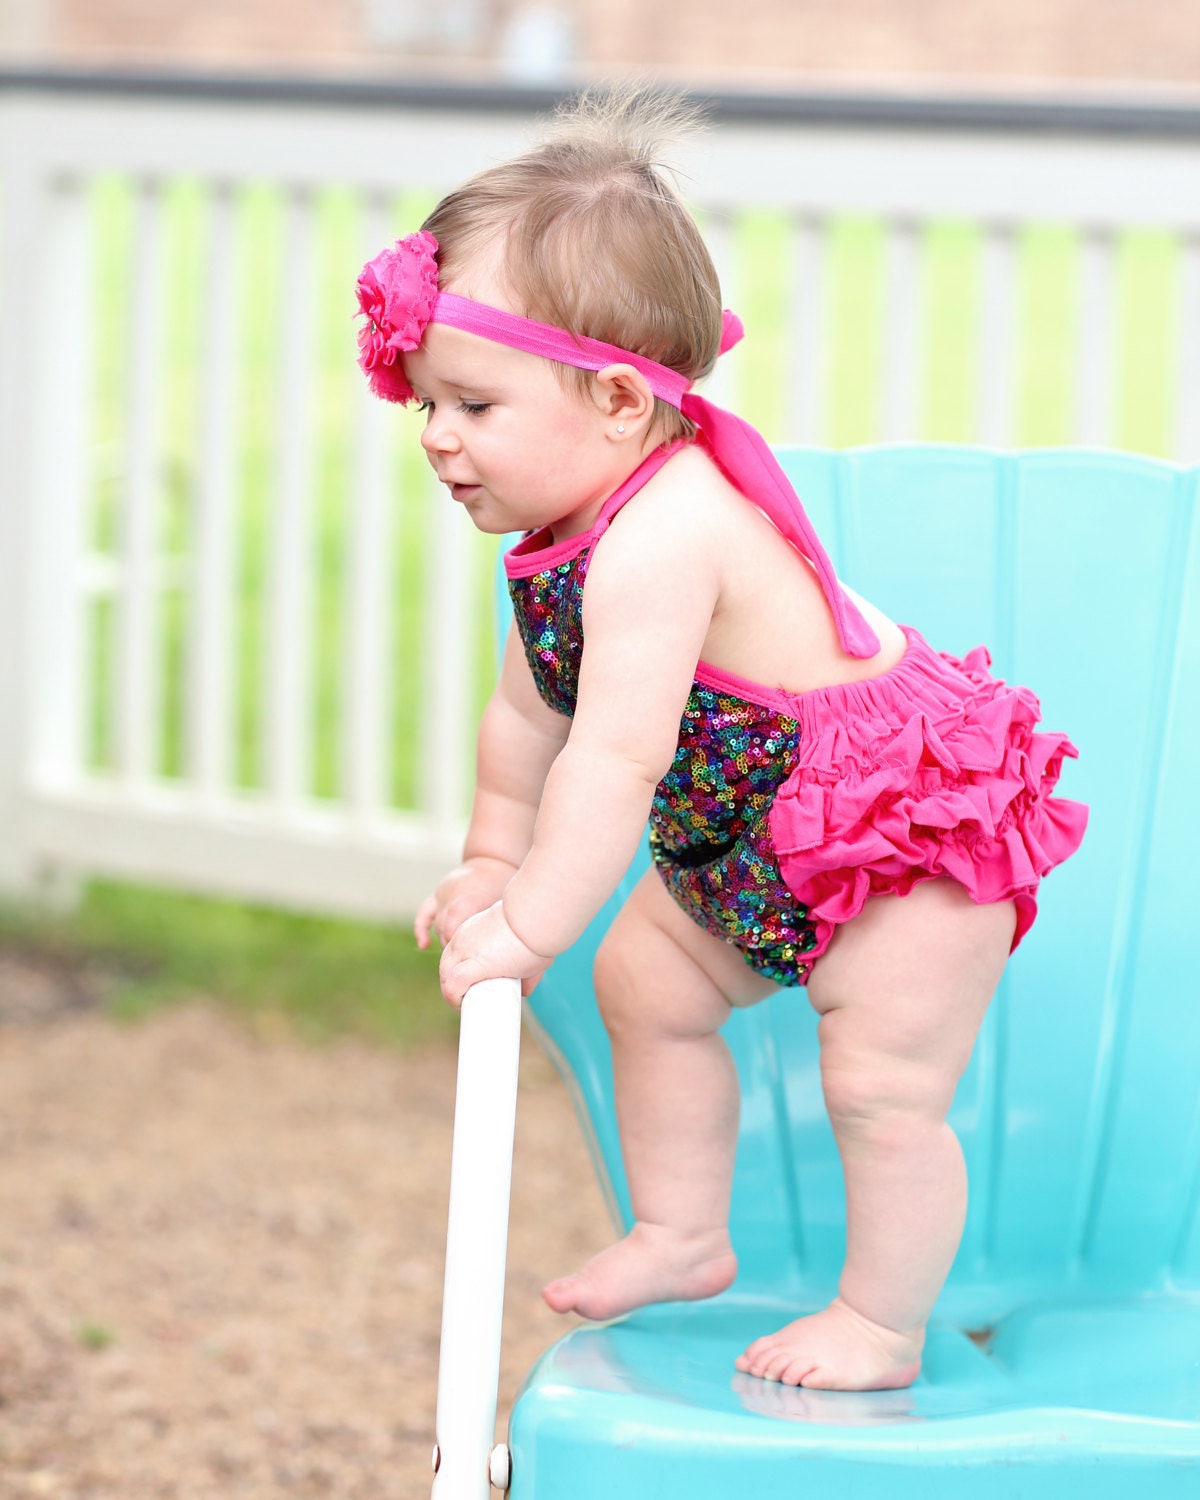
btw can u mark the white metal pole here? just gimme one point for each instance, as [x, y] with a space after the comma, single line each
[476, 1242]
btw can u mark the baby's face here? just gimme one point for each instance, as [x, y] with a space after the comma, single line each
[513, 447]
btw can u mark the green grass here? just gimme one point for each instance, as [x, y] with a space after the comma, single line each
[327, 976]
[95, 1336]
[320, 977]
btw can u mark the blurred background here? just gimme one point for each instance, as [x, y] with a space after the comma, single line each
[243, 647]
[1117, 44]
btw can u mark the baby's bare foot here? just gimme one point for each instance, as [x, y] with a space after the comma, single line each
[651, 1264]
[836, 1350]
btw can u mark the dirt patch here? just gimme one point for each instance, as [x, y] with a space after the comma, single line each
[40, 987]
[221, 1251]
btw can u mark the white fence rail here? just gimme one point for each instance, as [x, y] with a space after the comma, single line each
[360, 847]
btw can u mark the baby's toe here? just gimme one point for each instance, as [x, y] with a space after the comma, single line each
[776, 1363]
[752, 1356]
[752, 1351]
[562, 1294]
[797, 1371]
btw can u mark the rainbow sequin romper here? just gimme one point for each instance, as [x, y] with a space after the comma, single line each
[782, 812]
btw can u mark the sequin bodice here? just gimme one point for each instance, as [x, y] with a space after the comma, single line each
[732, 753]
[548, 608]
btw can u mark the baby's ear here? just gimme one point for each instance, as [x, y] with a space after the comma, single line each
[624, 394]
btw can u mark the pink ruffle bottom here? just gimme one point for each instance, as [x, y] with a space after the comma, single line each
[931, 769]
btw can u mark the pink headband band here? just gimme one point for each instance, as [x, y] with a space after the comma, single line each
[398, 294]
[398, 297]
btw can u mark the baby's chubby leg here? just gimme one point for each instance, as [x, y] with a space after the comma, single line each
[664, 986]
[901, 993]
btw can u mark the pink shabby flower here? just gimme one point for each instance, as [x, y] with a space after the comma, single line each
[395, 296]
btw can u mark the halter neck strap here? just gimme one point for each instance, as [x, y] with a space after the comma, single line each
[644, 472]
[741, 453]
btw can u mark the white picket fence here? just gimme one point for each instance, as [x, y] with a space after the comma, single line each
[359, 849]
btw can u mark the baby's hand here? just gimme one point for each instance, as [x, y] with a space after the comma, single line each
[473, 887]
[486, 947]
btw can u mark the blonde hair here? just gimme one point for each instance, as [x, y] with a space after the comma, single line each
[595, 238]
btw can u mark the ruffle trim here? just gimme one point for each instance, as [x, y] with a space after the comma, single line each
[967, 796]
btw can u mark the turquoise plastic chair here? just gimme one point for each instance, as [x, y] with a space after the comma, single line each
[1064, 1354]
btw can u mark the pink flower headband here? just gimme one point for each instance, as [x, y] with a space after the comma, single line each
[398, 297]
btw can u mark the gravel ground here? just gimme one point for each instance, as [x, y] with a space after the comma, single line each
[221, 1250]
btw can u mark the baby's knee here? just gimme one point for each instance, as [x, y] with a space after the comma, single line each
[877, 1067]
[616, 976]
[869, 1100]
[868, 1091]
[645, 983]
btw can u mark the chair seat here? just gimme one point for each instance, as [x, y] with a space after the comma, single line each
[1029, 1408]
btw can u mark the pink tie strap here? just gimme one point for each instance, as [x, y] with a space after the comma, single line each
[744, 457]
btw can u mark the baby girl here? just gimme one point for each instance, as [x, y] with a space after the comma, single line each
[833, 804]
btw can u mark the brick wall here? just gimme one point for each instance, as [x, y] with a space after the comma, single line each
[211, 30]
[1079, 39]
[766, 41]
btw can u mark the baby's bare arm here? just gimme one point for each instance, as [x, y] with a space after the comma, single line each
[647, 605]
[519, 738]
